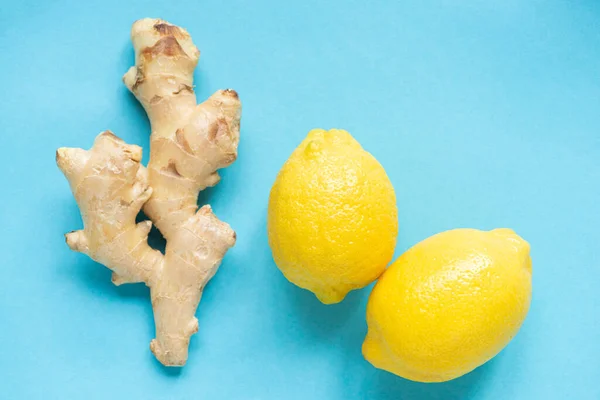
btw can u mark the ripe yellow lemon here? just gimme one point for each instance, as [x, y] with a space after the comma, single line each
[449, 304]
[332, 219]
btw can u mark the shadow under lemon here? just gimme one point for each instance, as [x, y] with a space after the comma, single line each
[383, 385]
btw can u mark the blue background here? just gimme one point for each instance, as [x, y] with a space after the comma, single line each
[485, 114]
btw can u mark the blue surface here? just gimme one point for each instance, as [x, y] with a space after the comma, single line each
[485, 114]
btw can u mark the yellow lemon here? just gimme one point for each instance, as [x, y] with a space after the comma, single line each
[332, 219]
[449, 304]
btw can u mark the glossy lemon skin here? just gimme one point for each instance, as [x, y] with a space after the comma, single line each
[449, 304]
[332, 217]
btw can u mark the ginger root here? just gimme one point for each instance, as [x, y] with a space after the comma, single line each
[189, 143]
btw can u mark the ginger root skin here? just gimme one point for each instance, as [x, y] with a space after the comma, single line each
[189, 143]
[110, 187]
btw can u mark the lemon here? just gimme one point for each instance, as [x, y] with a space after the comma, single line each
[449, 304]
[332, 218]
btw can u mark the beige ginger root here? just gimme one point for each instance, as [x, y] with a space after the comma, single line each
[189, 143]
